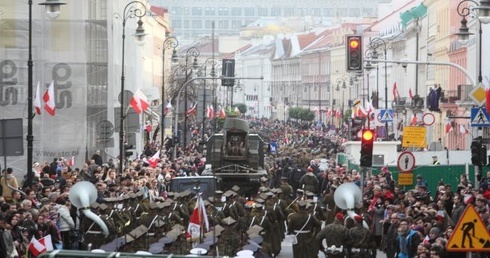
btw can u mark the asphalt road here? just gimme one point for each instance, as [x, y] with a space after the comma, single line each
[287, 252]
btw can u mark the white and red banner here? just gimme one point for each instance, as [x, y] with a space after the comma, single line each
[198, 222]
[37, 99]
[49, 100]
[168, 107]
[153, 161]
[192, 110]
[37, 247]
[139, 102]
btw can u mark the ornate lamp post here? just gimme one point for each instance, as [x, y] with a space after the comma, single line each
[374, 44]
[52, 11]
[130, 11]
[169, 43]
[191, 52]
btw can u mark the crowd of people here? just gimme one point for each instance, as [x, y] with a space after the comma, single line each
[297, 198]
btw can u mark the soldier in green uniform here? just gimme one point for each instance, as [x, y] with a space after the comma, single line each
[302, 224]
[309, 181]
[360, 241]
[330, 206]
[228, 243]
[334, 234]
[287, 190]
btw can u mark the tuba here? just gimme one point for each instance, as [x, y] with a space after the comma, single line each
[346, 197]
[82, 194]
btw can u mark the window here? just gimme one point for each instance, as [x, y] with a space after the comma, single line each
[249, 11]
[208, 24]
[177, 24]
[342, 12]
[177, 10]
[223, 11]
[328, 12]
[223, 25]
[275, 11]
[236, 24]
[289, 12]
[317, 11]
[186, 24]
[235, 11]
[196, 11]
[197, 24]
[263, 11]
[209, 11]
[355, 12]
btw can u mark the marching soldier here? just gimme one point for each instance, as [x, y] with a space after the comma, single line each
[287, 190]
[334, 234]
[228, 243]
[330, 206]
[302, 224]
[360, 241]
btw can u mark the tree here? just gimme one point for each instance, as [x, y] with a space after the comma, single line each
[301, 114]
[241, 107]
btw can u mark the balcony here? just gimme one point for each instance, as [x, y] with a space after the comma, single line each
[450, 96]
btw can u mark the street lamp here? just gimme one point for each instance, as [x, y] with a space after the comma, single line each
[464, 34]
[191, 52]
[484, 11]
[53, 11]
[374, 44]
[129, 12]
[210, 61]
[169, 43]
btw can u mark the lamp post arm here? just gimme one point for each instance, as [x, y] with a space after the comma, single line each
[460, 68]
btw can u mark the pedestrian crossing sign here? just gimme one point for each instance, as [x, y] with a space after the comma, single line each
[479, 117]
[471, 234]
[386, 115]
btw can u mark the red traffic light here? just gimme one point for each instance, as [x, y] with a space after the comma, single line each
[367, 135]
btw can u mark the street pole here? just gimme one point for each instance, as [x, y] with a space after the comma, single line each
[169, 43]
[52, 10]
[127, 14]
[191, 52]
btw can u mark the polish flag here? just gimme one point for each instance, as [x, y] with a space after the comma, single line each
[36, 248]
[148, 128]
[153, 161]
[414, 120]
[338, 114]
[410, 94]
[71, 162]
[369, 107]
[37, 99]
[462, 129]
[395, 92]
[449, 128]
[209, 112]
[48, 98]
[198, 222]
[139, 102]
[222, 113]
[329, 112]
[168, 107]
[192, 110]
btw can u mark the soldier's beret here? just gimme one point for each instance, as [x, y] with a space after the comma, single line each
[219, 228]
[198, 250]
[152, 205]
[301, 203]
[263, 196]
[218, 192]
[211, 199]
[229, 221]
[178, 227]
[259, 200]
[339, 216]
[165, 240]
[263, 189]
[94, 205]
[103, 206]
[210, 234]
[169, 194]
[235, 188]
[132, 195]
[258, 206]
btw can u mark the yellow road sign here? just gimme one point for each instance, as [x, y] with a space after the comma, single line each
[414, 136]
[405, 178]
[471, 234]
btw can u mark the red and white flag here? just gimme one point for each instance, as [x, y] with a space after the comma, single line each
[449, 127]
[36, 248]
[410, 94]
[37, 99]
[338, 114]
[148, 128]
[153, 161]
[414, 120]
[139, 102]
[396, 95]
[71, 162]
[369, 107]
[168, 107]
[222, 113]
[198, 222]
[192, 110]
[210, 112]
[49, 100]
[462, 129]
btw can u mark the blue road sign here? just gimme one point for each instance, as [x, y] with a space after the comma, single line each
[386, 115]
[479, 117]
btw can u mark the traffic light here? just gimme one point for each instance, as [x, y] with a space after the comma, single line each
[483, 154]
[476, 152]
[354, 53]
[367, 143]
[128, 150]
